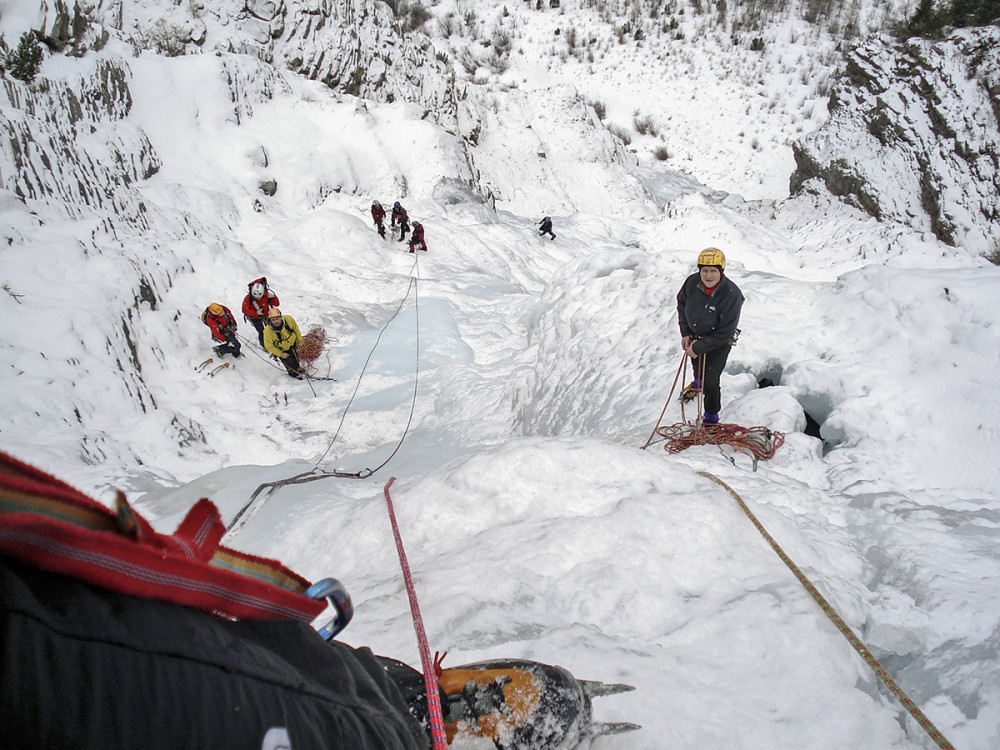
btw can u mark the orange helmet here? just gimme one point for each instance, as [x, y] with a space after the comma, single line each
[273, 313]
[215, 308]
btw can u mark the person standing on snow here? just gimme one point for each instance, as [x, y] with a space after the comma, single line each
[417, 238]
[545, 227]
[221, 323]
[378, 216]
[256, 304]
[708, 312]
[281, 338]
[400, 217]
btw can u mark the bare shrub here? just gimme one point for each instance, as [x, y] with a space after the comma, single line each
[447, 25]
[994, 255]
[645, 125]
[16, 297]
[164, 38]
[468, 61]
[499, 61]
[620, 133]
[414, 15]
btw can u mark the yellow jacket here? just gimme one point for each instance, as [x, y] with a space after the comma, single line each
[279, 342]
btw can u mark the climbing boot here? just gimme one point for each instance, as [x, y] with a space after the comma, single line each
[691, 392]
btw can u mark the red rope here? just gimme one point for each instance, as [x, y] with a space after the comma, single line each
[760, 442]
[682, 367]
[430, 673]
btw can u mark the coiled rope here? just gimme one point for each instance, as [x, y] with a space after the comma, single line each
[270, 361]
[760, 443]
[926, 724]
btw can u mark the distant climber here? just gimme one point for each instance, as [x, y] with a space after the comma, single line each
[417, 238]
[545, 227]
[399, 218]
[258, 301]
[281, 338]
[378, 216]
[708, 313]
[221, 323]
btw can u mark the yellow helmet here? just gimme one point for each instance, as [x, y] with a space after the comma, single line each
[215, 308]
[274, 312]
[712, 256]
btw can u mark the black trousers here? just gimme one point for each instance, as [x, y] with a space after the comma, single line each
[229, 346]
[258, 324]
[714, 363]
[291, 362]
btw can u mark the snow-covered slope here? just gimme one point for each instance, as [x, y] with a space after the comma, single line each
[535, 525]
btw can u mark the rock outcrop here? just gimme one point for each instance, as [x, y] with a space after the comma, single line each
[358, 47]
[914, 136]
[57, 152]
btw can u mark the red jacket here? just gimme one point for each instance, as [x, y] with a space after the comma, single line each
[256, 309]
[378, 213]
[218, 324]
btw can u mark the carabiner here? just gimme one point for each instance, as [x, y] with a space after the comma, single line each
[334, 592]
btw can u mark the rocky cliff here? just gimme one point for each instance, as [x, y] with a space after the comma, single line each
[914, 136]
[357, 47]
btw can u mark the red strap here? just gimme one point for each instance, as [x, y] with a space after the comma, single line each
[47, 523]
[430, 676]
[439, 663]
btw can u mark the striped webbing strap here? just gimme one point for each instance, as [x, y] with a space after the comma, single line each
[49, 524]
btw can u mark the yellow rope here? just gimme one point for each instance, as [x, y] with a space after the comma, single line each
[870, 660]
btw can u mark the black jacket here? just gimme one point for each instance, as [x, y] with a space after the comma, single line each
[712, 319]
[92, 669]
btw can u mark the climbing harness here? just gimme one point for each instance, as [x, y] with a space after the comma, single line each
[49, 524]
[251, 346]
[430, 666]
[926, 724]
[700, 395]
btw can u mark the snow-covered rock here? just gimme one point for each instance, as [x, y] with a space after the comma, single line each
[70, 146]
[914, 136]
